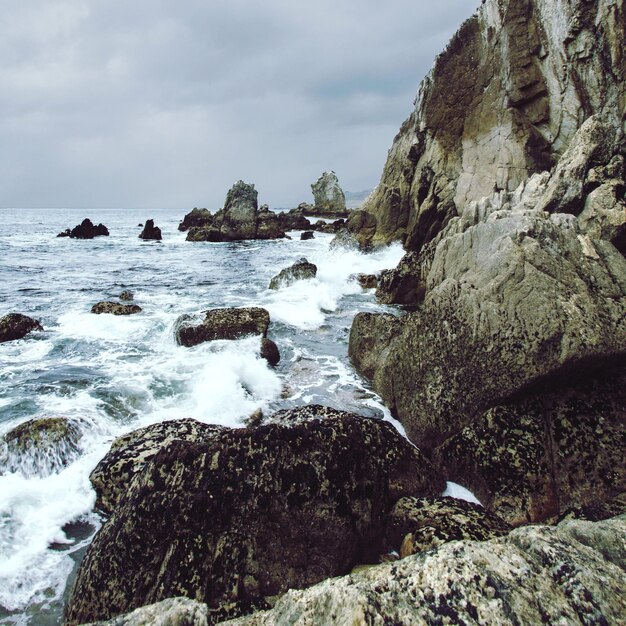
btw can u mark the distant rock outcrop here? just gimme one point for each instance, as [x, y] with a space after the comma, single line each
[150, 232]
[16, 326]
[250, 513]
[240, 219]
[328, 195]
[115, 308]
[86, 230]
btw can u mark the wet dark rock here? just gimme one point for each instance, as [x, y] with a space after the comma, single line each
[300, 270]
[418, 524]
[150, 232]
[250, 513]
[40, 447]
[362, 225]
[322, 226]
[196, 217]
[344, 239]
[269, 351]
[228, 323]
[115, 308]
[293, 219]
[16, 326]
[126, 295]
[571, 574]
[404, 284]
[130, 453]
[306, 235]
[86, 230]
[367, 281]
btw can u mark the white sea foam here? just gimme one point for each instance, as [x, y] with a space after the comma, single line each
[460, 493]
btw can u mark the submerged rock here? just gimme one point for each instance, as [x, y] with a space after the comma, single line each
[150, 232]
[328, 195]
[300, 270]
[40, 447]
[16, 326]
[269, 351]
[126, 295]
[115, 308]
[571, 574]
[129, 454]
[228, 323]
[86, 230]
[306, 235]
[251, 513]
[367, 281]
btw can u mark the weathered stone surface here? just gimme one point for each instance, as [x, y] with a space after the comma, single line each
[16, 326]
[322, 226]
[367, 281]
[344, 239]
[85, 230]
[293, 219]
[405, 284]
[418, 524]
[269, 351]
[515, 294]
[604, 214]
[228, 323]
[151, 232]
[300, 270]
[328, 195]
[240, 219]
[40, 447]
[129, 454]
[502, 102]
[572, 574]
[306, 235]
[170, 612]
[560, 447]
[127, 295]
[196, 217]
[115, 308]
[250, 513]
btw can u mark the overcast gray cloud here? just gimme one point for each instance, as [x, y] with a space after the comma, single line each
[154, 103]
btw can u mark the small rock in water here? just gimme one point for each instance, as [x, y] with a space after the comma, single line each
[127, 295]
[15, 326]
[367, 281]
[150, 232]
[306, 235]
[300, 270]
[115, 308]
[85, 230]
[269, 351]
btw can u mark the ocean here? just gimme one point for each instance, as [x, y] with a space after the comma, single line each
[115, 374]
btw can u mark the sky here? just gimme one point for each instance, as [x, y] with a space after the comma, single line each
[162, 104]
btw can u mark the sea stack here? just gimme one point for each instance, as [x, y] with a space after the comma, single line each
[328, 196]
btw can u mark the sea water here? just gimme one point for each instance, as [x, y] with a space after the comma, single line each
[114, 374]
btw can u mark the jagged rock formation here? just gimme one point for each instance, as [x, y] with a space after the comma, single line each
[150, 232]
[228, 323]
[16, 326]
[300, 270]
[240, 219]
[571, 574]
[115, 308]
[85, 230]
[250, 513]
[502, 102]
[328, 196]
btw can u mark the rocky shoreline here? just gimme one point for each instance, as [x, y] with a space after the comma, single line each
[506, 367]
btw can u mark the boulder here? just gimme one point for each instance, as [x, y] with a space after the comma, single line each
[115, 308]
[604, 214]
[169, 612]
[571, 574]
[228, 323]
[300, 270]
[85, 230]
[250, 513]
[556, 449]
[404, 284]
[344, 240]
[328, 227]
[16, 326]
[130, 453]
[367, 281]
[40, 447]
[269, 351]
[419, 524]
[293, 219]
[328, 195]
[126, 295]
[150, 232]
[306, 235]
[196, 218]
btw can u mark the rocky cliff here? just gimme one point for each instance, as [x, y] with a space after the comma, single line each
[502, 102]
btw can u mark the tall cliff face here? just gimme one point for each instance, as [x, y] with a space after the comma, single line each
[502, 102]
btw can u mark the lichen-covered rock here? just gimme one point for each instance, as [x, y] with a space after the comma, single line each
[150, 232]
[571, 574]
[196, 218]
[269, 351]
[328, 195]
[228, 323]
[418, 524]
[86, 230]
[240, 219]
[250, 513]
[129, 454]
[169, 612]
[367, 281]
[40, 447]
[300, 270]
[16, 326]
[115, 308]
[503, 101]
[558, 448]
